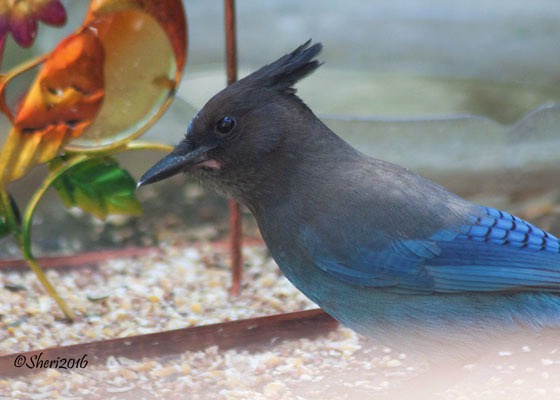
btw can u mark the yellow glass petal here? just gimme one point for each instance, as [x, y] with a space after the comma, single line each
[140, 72]
[145, 45]
[168, 13]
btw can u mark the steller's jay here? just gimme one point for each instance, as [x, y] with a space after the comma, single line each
[384, 251]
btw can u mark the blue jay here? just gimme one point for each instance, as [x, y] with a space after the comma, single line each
[384, 251]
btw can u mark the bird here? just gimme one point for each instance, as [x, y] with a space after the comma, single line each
[386, 252]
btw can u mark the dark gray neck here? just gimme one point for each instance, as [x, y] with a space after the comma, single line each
[303, 156]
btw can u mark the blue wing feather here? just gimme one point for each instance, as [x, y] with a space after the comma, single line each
[502, 228]
[496, 252]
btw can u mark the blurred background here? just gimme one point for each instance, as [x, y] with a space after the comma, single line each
[463, 92]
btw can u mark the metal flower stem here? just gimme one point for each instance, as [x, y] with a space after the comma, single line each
[23, 233]
[6, 77]
[22, 237]
[234, 210]
[25, 244]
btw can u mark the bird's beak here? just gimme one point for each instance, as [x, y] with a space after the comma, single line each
[182, 158]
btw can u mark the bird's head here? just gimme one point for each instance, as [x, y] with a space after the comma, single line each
[241, 124]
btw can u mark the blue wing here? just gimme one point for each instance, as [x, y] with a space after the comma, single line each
[496, 252]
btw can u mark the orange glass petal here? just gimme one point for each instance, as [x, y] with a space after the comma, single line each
[63, 100]
[145, 45]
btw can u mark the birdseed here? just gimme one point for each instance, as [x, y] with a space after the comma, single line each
[188, 286]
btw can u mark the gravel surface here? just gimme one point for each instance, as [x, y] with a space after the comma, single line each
[124, 297]
[180, 287]
[188, 286]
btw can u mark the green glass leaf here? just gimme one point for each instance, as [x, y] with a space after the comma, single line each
[98, 186]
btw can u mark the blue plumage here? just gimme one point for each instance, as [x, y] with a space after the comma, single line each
[497, 252]
[383, 250]
[502, 228]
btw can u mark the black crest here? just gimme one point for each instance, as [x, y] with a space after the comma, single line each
[283, 73]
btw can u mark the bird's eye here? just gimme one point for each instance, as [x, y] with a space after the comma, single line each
[225, 125]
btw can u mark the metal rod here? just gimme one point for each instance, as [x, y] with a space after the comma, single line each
[234, 210]
[254, 334]
[231, 42]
